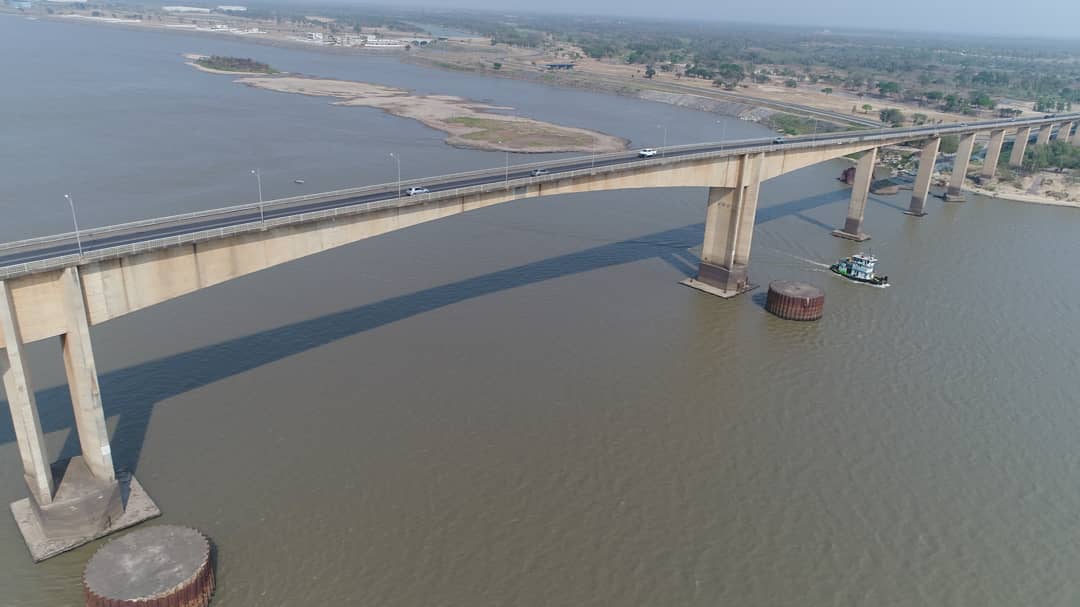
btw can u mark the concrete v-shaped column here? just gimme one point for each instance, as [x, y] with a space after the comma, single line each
[1064, 131]
[83, 380]
[24, 411]
[993, 153]
[860, 192]
[927, 162]
[1044, 134]
[955, 191]
[729, 228]
[1020, 143]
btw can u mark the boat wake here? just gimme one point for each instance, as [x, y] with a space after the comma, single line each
[803, 259]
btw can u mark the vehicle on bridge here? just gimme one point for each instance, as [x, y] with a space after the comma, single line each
[539, 172]
[778, 140]
[413, 191]
[646, 153]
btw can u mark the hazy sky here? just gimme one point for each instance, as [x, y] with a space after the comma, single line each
[1058, 18]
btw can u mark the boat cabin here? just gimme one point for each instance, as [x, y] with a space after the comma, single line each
[861, 266]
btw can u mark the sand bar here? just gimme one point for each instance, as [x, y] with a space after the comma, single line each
[469, 124]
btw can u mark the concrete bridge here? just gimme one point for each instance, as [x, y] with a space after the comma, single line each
[60, 286]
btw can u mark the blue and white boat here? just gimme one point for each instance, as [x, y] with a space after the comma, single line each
[860, 268]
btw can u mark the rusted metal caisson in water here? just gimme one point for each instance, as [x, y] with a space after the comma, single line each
[795, 300]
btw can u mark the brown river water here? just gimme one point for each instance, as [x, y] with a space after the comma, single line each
[522, 406]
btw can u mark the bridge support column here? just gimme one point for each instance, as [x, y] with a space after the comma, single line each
[1064, 131]
[729, 228]
[927, 161]
[1044, 134]
[1020, 144]
[88, 502]
[1076, 136]
[993, 153]
[860, 192]
[23, 405]
[955, 191]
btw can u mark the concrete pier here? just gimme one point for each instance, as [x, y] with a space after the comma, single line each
[24, 411]
[1044, 134]
[993, 153]
[927, 160]
[86, 501]
[729, 228]
[1020, 143]
[1064, 131]
[1076, 137]
[955, 191]
[860, 192]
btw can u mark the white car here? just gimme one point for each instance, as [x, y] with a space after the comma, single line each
[415, 190]
[646, 153]
[539, 172]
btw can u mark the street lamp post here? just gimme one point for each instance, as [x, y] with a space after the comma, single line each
[723, 133]
[258, 180]
[663, 148]
[74, 220]
[398, 160]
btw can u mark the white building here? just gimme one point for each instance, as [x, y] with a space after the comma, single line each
[229, 8]
[184, 9]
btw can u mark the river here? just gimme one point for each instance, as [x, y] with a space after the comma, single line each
[521, 406]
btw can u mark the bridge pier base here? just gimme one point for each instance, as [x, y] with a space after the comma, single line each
[1020, 143]
[729, 228]
[860, 192]
[927, 162]
[955, 190]
[88, 502]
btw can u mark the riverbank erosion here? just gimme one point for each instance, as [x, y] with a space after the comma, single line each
[467, 123]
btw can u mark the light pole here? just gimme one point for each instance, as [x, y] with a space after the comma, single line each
[74, 220]
[663, 148]
[723, 133]
[398, 160]
[506, 175]
[258, 180]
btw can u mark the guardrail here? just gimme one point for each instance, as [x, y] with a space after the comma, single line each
[729, 148]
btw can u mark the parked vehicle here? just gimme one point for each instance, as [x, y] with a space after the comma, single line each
[646, 153]
[413, 191]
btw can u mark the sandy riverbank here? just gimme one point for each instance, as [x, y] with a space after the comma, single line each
[1053, 188]
[468, 123]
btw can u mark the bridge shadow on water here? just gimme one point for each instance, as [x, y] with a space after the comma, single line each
[144, 385]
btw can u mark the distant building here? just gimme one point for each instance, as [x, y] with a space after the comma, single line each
[316, 36]
[229, 8]
[184, 9]
[559, 66]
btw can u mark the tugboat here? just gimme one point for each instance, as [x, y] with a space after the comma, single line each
[860, 268]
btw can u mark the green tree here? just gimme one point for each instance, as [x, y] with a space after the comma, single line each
[649, 71]
[791, 83]
[892, 116]
[866, 108]
[949, 144]
[496, 65]
[888, 88]
[827, 90]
